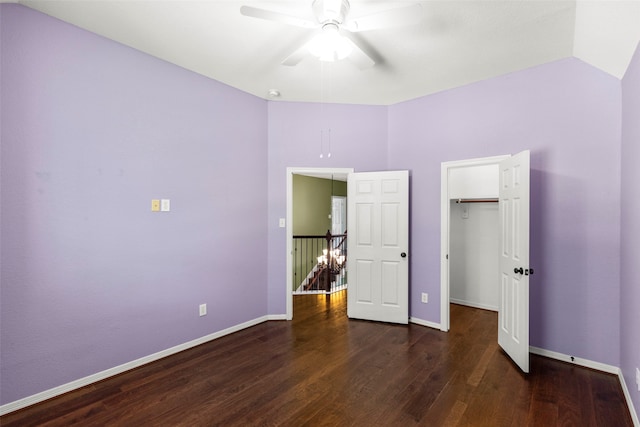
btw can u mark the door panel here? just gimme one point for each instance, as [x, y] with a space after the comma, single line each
[390, 276]
[513, 316]
[378, 214]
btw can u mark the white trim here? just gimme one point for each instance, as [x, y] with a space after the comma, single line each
[73, 385]
[576, 360]
[474, 304]
[444, 227]
[328, 172]
[426, 323]
[277, 317]
[603, 367]
[334, 289]
[627, 396]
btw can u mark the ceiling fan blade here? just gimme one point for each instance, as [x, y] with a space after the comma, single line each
[297, 56]
[358, 55]
[399, 17]
[270, 15]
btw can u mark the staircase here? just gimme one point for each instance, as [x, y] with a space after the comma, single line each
[320, 263]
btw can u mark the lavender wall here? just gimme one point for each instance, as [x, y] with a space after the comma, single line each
[568, 114]
[630, 229]
[91, 132]
[358, 140]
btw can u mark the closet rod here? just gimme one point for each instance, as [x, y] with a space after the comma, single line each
[477, 201]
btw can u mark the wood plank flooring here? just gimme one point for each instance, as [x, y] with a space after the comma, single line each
[322, 369]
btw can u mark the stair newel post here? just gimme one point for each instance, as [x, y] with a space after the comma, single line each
[328, 236]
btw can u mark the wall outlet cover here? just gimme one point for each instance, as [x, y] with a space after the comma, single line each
[425, 297]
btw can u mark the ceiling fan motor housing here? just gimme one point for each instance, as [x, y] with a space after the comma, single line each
[330, 10]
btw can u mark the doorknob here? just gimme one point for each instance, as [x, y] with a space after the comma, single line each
[518, 270]
[403, 254]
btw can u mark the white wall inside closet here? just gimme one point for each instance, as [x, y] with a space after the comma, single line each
[473, 254]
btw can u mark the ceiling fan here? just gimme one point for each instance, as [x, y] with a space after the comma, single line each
[335, 40]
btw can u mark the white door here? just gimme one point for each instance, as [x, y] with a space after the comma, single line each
[513, 316]
[377, 260]
[338, 214]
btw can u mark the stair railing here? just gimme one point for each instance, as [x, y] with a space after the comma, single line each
[319, 262]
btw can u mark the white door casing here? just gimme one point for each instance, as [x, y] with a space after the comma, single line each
[471, 178]
[513, 314]
[378, 244]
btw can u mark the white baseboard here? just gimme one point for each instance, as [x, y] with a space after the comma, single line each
[627, 396]
[474, 304]
[593, 365]
[277, 317]
[424, 323]
[73, 385]
[575, 360]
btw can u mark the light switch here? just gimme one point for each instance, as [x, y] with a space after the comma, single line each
[281, 223]
[155, 205]
[165, 205]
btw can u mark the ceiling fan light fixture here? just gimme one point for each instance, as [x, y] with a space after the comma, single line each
[329, 45]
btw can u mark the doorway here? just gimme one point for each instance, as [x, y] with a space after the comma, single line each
[469, 192]
[503, 179]
[325, 173]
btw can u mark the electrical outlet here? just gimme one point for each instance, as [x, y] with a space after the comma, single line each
[203, 309]
[425, 297]
[638, 378]
[165, 205]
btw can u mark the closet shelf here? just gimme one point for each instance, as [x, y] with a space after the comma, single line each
[495, 200]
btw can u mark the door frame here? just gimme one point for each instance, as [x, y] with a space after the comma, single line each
[446, 168]
[326, 173]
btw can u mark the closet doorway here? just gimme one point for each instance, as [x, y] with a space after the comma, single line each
[485, 244]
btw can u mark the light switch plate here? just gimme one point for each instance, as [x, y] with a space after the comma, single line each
[155, 205]
[281, 223]
[165, 205]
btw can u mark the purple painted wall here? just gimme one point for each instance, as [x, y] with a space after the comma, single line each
[91, 132]
[358, 140]
[568, 114]
[630, 229]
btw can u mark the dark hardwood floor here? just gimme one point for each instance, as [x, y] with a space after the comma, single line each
[322, 369]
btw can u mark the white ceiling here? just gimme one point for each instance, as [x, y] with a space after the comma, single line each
[456, 43]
